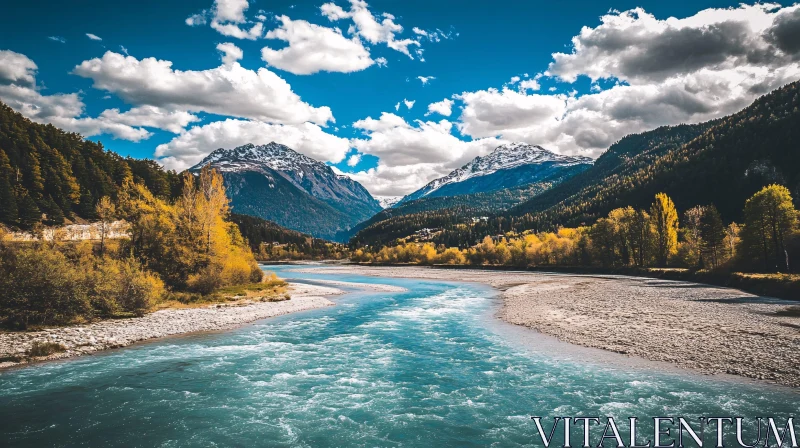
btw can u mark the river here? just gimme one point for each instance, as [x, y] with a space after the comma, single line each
[426, 367]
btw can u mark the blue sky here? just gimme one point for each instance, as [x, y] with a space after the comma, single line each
[601, 90]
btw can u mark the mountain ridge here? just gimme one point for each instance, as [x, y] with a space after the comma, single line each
[507, 166]
[277, 183]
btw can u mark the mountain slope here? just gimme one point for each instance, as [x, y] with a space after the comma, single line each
[723, 162]
[508, 166]
[279, 184]
[44, 170]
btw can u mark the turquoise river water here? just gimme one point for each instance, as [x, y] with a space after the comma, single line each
[426, 367]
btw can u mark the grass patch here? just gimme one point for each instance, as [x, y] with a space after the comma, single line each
[39, 349]
[271, 289]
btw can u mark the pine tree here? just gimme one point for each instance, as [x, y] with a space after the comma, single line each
[8, 203]
[665, 225]
[29, 213]
[713, 233]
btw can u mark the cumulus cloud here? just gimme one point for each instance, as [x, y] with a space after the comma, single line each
[409, 103]
[444, 107]
[635, 46]
[489, 112]
[93, 36]
[226, 90]
[18, 89]
[411, 154]
[227, 17]
[663, 72]
[353, 160]
[192, 146]
[368, 27]
[230, 53]
[313, 48]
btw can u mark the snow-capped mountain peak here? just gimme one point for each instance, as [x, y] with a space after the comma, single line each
[387, 201]
[273, 155]
[504, 157]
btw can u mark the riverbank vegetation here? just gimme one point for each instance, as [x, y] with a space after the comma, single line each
[696, 245]
[186, 250]
[271, 242]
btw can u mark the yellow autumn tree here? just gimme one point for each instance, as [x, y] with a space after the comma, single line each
[664, 218]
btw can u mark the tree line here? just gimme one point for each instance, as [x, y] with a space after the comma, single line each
[183, 249]
[768, 240]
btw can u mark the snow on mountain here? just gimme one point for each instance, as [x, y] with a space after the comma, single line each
[504, 157]
[387, 201]
[273, 155]
[298, 191]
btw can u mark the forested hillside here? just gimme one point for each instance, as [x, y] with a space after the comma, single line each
[45, 171]
[269, 241]
[723, 162]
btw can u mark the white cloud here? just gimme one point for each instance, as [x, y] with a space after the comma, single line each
[57, 39]
[313, 48]
[514, 80]
[490, 112]
[409, 103]
[367, 26]
[672, 71]
[637, 47]
[397, 106]
[197, 19]
[426, 79]
[230, 53]
[16, 68]
[192, 146]
[233, 30]
[93, 36]
[227, 18]
[18, 89]
[382, 62]
[530, 84]
[444, 107]
[353, 160]
[411, 154]
[151, 117]
[230, 10]
[226, 90]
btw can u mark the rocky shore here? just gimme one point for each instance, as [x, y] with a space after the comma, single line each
[705, 328]
[84, 339]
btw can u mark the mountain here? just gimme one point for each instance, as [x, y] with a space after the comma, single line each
[387, 201]
[260, 232]
[50, 176]
[279, 184]
[508, 166]
[721, 162]
[508, 176]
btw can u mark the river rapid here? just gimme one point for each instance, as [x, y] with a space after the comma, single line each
[427, 367]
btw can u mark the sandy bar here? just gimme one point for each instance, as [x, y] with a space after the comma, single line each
[84, 339]
[694, 326]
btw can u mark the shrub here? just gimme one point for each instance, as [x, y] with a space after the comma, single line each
[45, 349]
[42, 287]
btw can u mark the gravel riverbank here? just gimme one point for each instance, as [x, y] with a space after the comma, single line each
[706, 328]
[84, 339]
